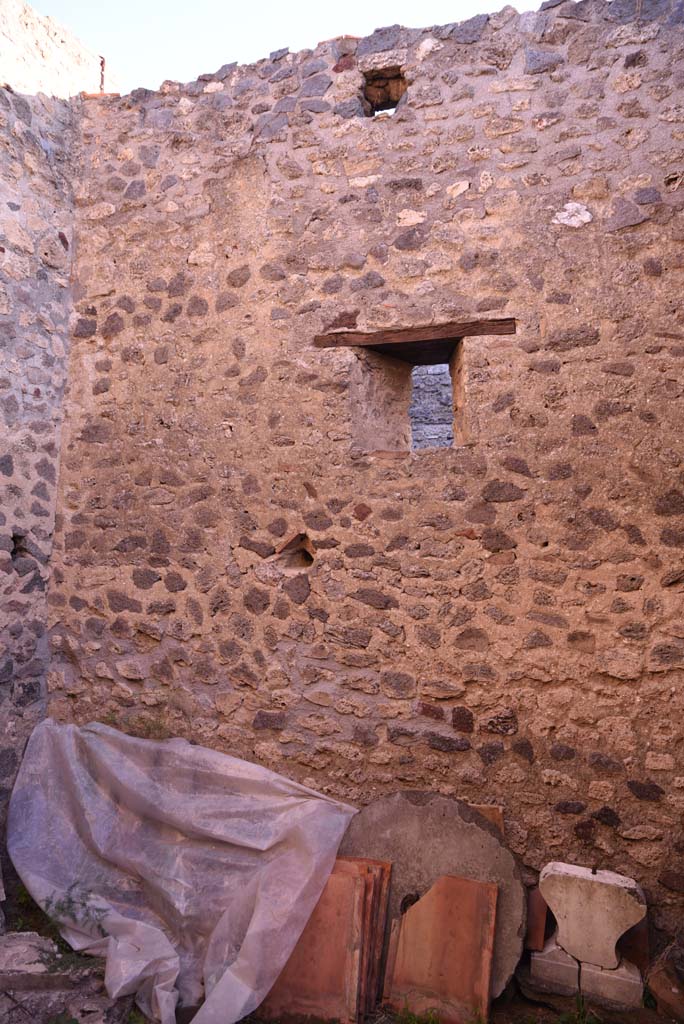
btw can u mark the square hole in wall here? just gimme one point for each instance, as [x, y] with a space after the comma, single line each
[383, 90]
[408, 402]
[407, 387]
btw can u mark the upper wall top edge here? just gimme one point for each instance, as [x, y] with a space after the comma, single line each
[396, 38]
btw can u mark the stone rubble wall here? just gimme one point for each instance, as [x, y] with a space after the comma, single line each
[36, 219]
[500, 620]
[432, 407]
[38, 55]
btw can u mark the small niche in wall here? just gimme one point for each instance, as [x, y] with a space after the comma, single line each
[407, 387]
[296, 554]
[383, 91]
[19, 548]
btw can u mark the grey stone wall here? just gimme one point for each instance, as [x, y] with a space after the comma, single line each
[432, 407]
[36, 220]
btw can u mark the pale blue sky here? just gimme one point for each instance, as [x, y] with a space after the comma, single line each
[146, 41]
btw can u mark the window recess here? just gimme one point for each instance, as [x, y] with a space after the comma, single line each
[407, 385]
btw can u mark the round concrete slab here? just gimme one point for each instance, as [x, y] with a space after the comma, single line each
[426, 836]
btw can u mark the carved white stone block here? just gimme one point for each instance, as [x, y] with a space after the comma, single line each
[593, 909]
[554, 970]
[621, 988]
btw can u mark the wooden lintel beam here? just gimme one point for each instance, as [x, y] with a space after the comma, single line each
[398, 336]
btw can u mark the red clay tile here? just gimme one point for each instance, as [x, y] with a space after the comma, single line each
[322, 977]
[536, 920]
[377, 876]
[382, 893]
[391, 961]
[358, 868]
[634, 946]
[667, 989]
[444, 951]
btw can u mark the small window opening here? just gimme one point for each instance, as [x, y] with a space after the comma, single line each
[408, 396]
[432, 407]
[383, 91]
[408, 385]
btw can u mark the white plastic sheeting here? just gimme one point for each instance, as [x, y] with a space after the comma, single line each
[192, 872]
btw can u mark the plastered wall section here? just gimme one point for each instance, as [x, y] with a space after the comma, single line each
[500, 620]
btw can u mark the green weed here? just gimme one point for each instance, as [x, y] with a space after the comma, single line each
[407, 1016]
[136, 1017]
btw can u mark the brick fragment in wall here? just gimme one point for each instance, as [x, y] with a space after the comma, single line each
[482, 611]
